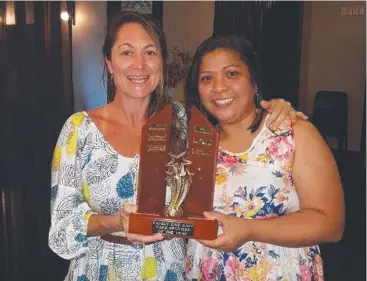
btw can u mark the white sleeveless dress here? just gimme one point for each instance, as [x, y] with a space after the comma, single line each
[256, 184]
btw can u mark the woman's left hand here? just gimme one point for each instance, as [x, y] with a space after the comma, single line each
[235, 233]
[280, 110]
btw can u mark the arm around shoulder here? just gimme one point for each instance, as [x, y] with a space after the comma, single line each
[317, 180]
[320, 218]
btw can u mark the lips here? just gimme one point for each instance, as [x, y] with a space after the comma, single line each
[138, 79]
[223, 102]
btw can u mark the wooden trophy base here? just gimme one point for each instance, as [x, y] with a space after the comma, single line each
[187, 227]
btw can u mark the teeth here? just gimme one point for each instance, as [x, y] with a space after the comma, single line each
[138, 79]
[224, 101]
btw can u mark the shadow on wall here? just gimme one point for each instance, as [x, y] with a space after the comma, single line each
[88, 36]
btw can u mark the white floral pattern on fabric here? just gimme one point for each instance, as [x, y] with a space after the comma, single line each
[90, 177]
[256, 184]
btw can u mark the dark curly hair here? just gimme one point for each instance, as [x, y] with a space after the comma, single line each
[245, 50]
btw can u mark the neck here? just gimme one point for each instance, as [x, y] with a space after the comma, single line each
[237, 129]
[130, 111]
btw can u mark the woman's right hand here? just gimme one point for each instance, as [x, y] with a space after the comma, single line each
[136, 238]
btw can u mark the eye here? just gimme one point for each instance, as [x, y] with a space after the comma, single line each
[206, 78]
[232, 74]
[126, 53]
[151, 53]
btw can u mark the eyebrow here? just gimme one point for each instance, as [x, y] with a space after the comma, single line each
[228, 66]
[231, 65]
[131, 46]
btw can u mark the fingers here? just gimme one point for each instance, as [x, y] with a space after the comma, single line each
[274, 115]
[214, 244]
[218, 244]
[125, 221]
[144, 239]
[130, 208]
[266, 105]
[302, 115]
[124, 214]
[293, 116]
[281, 117]
[213, 215]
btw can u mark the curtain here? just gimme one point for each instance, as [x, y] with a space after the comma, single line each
[241, 18]
[275, 30]
[363, 134]
[35, 98]
[155, 8]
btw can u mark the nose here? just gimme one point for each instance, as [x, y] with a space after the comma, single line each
[219, 85]
[139, 61]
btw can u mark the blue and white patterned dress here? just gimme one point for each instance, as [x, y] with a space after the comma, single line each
[90, 177]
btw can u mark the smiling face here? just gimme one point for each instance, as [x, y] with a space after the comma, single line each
[135, 62]
[225, 86]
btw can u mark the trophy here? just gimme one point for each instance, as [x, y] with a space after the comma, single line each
[189, 177]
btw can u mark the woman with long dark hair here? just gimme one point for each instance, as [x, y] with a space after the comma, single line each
[278, 193]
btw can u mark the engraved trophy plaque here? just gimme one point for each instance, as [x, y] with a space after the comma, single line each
[189, 176]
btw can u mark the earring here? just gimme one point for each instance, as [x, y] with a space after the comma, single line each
[258, 98]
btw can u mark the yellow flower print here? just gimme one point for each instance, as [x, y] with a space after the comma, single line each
[87, 215]
[221, 176]
[288, 165]
[77, 119]
[238, 210]
[244, 157]
[264, 158]
[85, 192]
[56, 158]
[259, 272]
[71, 142]
[226, 202]
[149, 269]
[252, 206]
[113, 274]
[254, 274]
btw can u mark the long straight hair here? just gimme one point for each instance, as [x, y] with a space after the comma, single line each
[160, 96]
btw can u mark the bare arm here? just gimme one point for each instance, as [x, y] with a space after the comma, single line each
[321, 215]
[99, 225]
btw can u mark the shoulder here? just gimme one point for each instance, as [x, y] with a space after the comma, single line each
[72, 127]
[285, 127]
[97, 112]
[306, 131]
[309, 141]
[76, 120]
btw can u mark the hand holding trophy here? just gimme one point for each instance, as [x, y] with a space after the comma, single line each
[189, 175]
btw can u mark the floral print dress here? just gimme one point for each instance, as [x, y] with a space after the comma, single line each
[90, 177]
[256, 184]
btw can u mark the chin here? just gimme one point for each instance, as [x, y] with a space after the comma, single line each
[141, 93]
[222, 117]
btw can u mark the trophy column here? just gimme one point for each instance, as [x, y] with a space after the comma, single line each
[190, 177]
